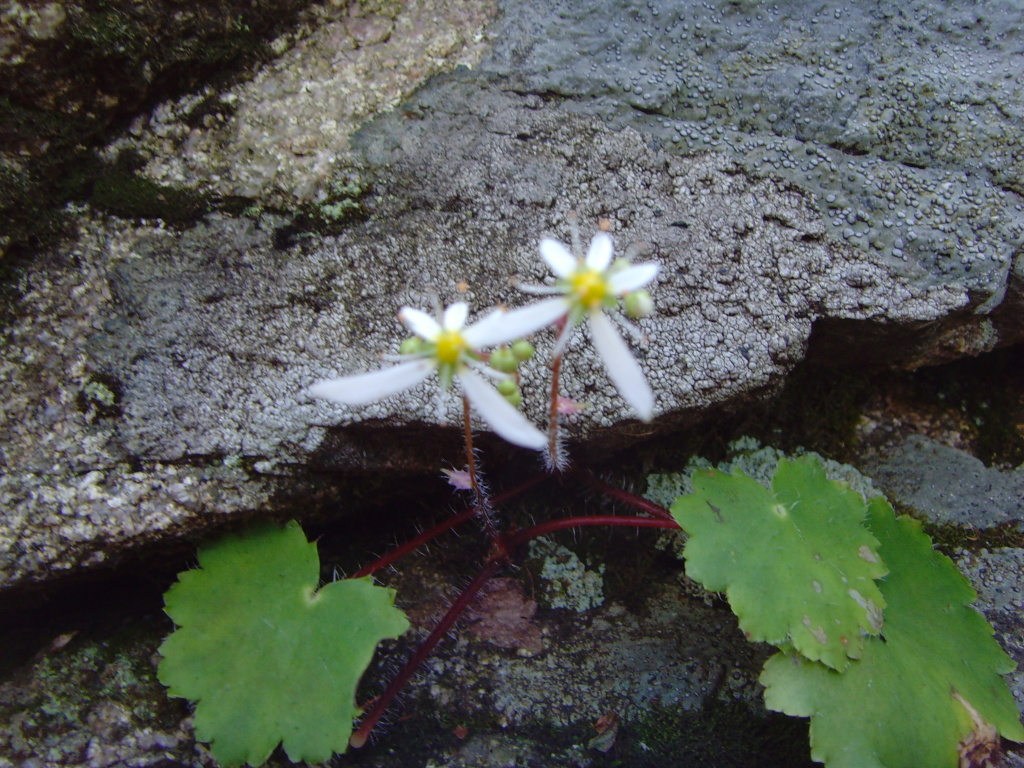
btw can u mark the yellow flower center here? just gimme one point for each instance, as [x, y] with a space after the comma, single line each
[450, 346]
[589, 287]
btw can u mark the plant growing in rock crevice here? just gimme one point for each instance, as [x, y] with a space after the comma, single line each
[807, 565]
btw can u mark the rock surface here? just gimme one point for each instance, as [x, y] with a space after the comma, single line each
[839, 180]
[790, 170]
[71, 73]
[535, 690]
[949, 486]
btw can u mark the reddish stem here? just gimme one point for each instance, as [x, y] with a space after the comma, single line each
[467, 430]
[446, 525]
[637, 502]
[521, 537]
[409, 546]
[366, 727]
[491, 566]
[556, 370]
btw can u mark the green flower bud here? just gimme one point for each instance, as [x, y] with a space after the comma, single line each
[504, 360]
[639, 304]
[523, 350]
[412, 346]
[515, 399]
[507, 387]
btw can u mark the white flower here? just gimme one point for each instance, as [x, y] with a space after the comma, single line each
[454, 352]
[589, 288]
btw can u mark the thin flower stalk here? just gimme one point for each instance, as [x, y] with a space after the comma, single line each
[443, 627]
[480, 495]
[555, 455]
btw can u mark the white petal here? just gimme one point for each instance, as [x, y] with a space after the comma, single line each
[455, 316]
[562, 340]
[367, 387]
[540, 290]
[621, 366]
[486, 370]
[478, 333]
[499, 413]
[420, 323]
[517, 324]
[631, 278]
[600, 254]
[557, 257]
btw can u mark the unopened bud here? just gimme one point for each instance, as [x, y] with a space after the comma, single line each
[508, 389]
[503, 359]
[523, 350]
[639, 304]
[414, 345]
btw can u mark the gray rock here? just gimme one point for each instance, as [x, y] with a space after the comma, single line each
[73, 72]
[495, 751]
[904, 124]
[679, 653]
[948, 486]
[278, 137]
[155, 376]
[84, 703]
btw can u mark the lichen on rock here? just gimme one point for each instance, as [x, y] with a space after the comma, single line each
[566, 582]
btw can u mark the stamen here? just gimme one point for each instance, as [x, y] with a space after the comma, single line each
[574, 231]
[450, 346]
[589, 287]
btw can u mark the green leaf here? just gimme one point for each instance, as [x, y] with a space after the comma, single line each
[896, 707]
[267, 657]
[796, 561]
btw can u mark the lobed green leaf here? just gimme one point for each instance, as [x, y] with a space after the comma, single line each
[268, 658]
[796, 562]
[900, 706]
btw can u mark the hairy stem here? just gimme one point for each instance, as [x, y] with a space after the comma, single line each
[621, 494]
[443, 627]
[480, 495]
[555, 459]
[521, 537]
[432, 533]
[415, 543]
[491, 566]
[467, 430]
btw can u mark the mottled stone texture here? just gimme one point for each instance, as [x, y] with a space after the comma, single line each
[75, 72]
[786, 168]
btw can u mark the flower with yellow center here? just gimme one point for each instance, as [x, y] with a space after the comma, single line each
[591, 288]
[454, 352]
